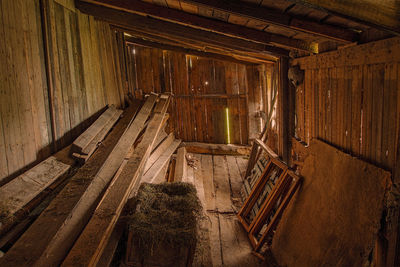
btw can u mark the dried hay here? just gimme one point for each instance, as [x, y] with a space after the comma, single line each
[165, 213]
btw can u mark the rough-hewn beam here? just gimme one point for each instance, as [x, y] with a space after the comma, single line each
[186, 19]
[147, 43]
[380, 14]
[170, 30]
[277, 18]
[201, 46]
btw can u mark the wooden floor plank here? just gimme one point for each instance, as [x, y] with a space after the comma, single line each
[236, 249]
[198, 182]
[242, 165]
[207, 173]
[234, 176]
[221, 185]
[215, 241]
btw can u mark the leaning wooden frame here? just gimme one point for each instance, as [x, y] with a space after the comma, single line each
[261, 192]
[271, 211]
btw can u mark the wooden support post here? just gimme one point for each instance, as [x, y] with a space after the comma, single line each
[91, 243]
[180, 167]
[284, 109]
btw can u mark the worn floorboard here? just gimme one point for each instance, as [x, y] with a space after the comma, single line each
[222, 241]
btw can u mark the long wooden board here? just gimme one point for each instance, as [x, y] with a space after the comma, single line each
[20, 191]
[216, 149]
[86, 137]
[91, 243]
[221, 184]
[34, 241]
[156, 168]
[157, 152]
[89, 149]
[62, 241]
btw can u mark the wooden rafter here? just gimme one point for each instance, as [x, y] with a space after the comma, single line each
[215, 26]
[380, 14]
[278, 18]
[147, 43]
[186, 44]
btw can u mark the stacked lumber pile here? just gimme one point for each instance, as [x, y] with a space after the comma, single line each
[85, 145]
[79, 226]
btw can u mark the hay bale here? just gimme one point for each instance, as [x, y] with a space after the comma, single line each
[163, 225]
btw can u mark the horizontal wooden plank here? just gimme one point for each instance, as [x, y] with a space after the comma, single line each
[384, 51]
[216, 149]
[20, 191]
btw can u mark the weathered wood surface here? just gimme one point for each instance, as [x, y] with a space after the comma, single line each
[90, 245]
[216, 149]
[151, 175]
[34, 241]
[181, 165]
[51, 85]
[330, 101]
[226, 243]
[352, 202]
[221, 184]
[79, 216]
[23, 189]
[215, 82]
[87, 136]
[91, 147]
[158, 151]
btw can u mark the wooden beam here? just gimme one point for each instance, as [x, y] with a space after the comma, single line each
[383, 51]
[267, 149]
[213, 48]
[176, 31]
[31, 245]
[73, 225]
[146, 43]
[216, 149]
[157, 152]
[186, 19]
[278, 18]
[283, 111]
[152, 173]
[90, 245]
[380, 14]
[87, 136]
[181, 165]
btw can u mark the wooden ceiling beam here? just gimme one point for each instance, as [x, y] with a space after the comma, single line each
[151, 44]
[256, 58]
[380, 14]
[175, 31]
[278, 18]
[216, 26]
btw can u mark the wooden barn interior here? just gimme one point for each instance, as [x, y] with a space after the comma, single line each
[272, 126]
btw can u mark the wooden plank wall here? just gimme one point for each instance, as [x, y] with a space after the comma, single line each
[202, 89]
[350, 98]
[84, 75]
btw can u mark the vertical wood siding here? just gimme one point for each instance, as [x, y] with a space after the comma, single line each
[350, 98]
[85, 76]
[202, 89]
